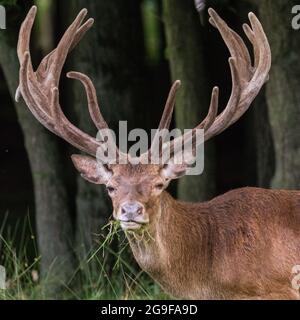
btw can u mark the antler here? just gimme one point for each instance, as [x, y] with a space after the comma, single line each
[247, 80]
[165, 120]
[40, 89]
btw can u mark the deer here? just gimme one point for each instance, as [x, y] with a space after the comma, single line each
[239, 245]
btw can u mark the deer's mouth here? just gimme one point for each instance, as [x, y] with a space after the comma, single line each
[131, 224]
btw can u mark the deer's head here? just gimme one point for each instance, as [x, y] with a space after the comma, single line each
[135, 189]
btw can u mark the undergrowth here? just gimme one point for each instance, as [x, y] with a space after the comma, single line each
[108, 271]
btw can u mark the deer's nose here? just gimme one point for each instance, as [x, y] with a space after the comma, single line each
[131, 210]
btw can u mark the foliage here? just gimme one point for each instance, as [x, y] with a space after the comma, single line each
[8, 2]
[120, 282]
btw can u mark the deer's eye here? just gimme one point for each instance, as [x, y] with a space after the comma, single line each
[110, 189]
[159, 186]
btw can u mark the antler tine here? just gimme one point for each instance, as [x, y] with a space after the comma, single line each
[264, 51]
[55, 60]
[93, 105]
[56, 121]
[212, 111]
[38, 112]
[68, 131]
[235, 45]
[24, 39]
[174, 146]
[25, 33]
[94, 109]
[166, 117]
[224, 119]
[211, 121]
[81, 32]
[40, 89]
[247, 79]
[47, 60]
[169, 107]
[251, 36]
[259, 75]
[63, 48]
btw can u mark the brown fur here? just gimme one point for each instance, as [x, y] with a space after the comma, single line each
[241, 245]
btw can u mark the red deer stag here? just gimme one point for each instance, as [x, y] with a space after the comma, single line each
[241, 245]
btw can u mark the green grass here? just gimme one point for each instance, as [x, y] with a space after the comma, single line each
[104, 273]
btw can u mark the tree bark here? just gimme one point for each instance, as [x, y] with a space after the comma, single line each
[282, 93]
[186, 53]
[265, 154]
[54, 228]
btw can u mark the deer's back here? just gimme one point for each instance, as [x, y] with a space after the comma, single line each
[256, 238]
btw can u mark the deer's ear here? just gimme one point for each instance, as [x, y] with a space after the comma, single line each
[174, 171]
[91, 170]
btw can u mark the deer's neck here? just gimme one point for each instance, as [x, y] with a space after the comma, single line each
[164, 249]
[148, 245]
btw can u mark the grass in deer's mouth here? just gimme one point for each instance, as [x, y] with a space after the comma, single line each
[114, 228]
[142, 234]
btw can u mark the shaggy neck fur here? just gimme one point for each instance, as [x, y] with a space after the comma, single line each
[166, 249]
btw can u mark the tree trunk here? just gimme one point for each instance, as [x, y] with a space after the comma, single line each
[265, 154]
[283, 95]
[54, 229]
[259, 145]
[112, 55]
[185, 40]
